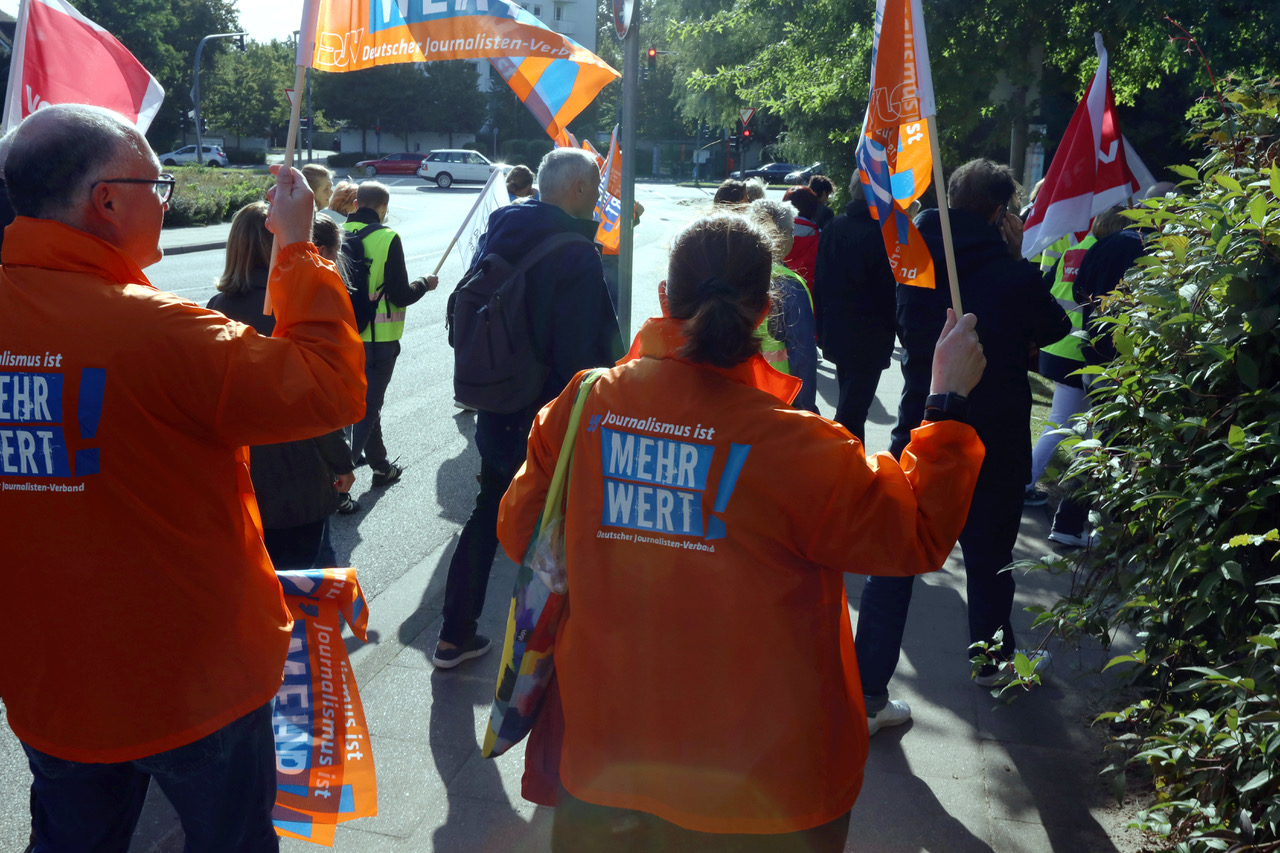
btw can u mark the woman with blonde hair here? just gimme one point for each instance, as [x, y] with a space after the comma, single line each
[342, 202]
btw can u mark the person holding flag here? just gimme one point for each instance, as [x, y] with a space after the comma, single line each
[1016, 314]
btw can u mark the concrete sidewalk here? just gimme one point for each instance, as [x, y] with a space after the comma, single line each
[969, 774]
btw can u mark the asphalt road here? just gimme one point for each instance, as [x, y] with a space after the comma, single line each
[397, 527]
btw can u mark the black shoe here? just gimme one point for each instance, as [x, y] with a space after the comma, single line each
[388, 475]
[1034, 496]
[346, 504]
[449, 658]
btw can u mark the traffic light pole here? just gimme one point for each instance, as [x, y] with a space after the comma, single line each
[630, 94]
[195, 88]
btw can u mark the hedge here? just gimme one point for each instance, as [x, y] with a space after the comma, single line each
[205, 196]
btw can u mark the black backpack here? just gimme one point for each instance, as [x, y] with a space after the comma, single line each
[358, 267]
[495, 366]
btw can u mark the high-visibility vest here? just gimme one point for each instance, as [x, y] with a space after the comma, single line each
[1070, 347]
[773, 349]
[388, 322]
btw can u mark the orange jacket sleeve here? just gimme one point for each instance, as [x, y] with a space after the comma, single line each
[242, 388]
[886, 518]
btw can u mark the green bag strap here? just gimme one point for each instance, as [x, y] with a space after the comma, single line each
[553, 508]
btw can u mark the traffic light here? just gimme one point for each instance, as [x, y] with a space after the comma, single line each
[653, 60]
[746, 135]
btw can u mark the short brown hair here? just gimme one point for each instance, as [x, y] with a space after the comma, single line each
[730, 192]
[718, 283]
[980, 186]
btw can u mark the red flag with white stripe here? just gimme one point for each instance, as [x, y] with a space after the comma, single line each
[61, 57]
[1093, 169]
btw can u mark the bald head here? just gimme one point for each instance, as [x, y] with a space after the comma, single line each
[56, 154]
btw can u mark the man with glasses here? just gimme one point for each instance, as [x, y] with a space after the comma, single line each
[151, 634]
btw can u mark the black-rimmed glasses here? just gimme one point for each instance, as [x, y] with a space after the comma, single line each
[162, 185]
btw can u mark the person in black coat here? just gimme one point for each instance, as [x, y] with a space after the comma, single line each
[853, 294]
[1016, 314]
[296, 482]
[572, 326]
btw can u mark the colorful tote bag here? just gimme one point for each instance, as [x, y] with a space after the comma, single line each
[528, 666]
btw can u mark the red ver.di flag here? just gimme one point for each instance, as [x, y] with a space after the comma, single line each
[895, 160]
[61, 57]
[324, 767]
[1093, 169]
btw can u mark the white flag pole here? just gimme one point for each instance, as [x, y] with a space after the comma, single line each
[944, 213]
[306, 45]
[483, 195]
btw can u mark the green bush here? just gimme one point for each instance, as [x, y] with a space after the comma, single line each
[246, 156]
[205, 196]
[1187, 474]
[349, 158]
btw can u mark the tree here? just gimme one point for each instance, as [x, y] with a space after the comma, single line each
[809, 62]
[456, 104]
[245, 91]
[163, 35]
[385, 98]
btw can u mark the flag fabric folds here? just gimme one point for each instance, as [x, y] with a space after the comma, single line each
[554, 76]
[609, 207]
[493, 196]
[895, 159]
[1093, 169]
[324, 766]
[61, 57]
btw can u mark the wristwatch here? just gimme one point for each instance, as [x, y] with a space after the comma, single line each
[946, 407]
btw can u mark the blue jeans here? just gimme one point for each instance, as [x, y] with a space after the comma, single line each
[987, 543]
[222, 786]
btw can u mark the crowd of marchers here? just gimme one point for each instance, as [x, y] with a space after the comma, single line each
[708, 697]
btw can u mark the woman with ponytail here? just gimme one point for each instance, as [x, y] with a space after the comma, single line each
[710, 692]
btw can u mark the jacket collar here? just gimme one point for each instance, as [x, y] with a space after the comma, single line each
[52, 245]
[663, 337]
[365, 215]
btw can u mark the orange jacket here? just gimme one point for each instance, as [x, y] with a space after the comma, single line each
[706, 666]
[143, 609]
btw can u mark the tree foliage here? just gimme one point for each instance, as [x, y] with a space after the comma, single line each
[1185, 465]
[245, 91]
[808, 62]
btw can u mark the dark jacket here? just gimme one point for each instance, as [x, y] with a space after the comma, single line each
[1015, 311]
[570, 316]
[1103, 267]
[853, 289]
[293, 480]
[395, 281]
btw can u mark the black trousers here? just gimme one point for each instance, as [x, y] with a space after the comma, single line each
[502, 441]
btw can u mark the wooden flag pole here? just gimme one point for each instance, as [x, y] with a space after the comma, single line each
[483, 194]
[944, 214]
[287, 164]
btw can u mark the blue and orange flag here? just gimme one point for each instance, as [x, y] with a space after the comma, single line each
[895, 159]
[554, 76]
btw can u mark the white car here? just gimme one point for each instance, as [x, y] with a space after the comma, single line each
[457, 165]
[213, 156]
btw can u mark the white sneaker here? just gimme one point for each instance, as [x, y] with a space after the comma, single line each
[1004, 672]
[895, 713]
[1071, 540]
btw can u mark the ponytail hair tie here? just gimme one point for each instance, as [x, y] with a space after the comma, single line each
[713, 287]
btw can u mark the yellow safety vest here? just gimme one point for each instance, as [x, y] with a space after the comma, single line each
[388, 321]
[1064, 280]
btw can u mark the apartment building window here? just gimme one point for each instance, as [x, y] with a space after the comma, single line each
[537, 11]
[559, 16]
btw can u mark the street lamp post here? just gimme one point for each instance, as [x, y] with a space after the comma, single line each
[195, 88]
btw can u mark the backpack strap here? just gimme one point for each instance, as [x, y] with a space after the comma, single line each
[558, 241]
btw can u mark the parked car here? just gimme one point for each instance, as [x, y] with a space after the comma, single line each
[770, 173]
[448, 166]
[802, 176]
[400, 163]
[213, 156]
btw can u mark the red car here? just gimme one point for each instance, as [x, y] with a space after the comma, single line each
[402, 163]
